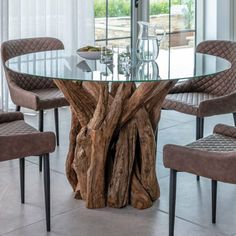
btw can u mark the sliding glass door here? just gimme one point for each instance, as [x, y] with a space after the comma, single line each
[177, 17]
[114, 26]
[112, 22]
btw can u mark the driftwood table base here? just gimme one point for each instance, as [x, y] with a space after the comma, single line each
[112, 153]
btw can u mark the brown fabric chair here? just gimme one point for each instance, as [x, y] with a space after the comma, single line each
[212, 157]
[19, 140]
[32, 92]
[210, 95]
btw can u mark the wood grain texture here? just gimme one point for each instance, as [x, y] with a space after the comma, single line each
[112, 153]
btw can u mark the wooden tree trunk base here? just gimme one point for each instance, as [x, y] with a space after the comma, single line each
[112, 153]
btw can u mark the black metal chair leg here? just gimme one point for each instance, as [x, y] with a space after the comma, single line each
[214, 200]
[17, 108]
[22, 180]
[234, 116]
[46, 168]
[199, 131]
[56, 116]
[172, 201]
[199, 127]
[41, 125]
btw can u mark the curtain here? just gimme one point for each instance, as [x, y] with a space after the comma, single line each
[3, 37]
[72, 21]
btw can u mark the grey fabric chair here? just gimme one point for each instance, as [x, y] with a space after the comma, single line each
[213, 157]
[19, 140]
[32, 92]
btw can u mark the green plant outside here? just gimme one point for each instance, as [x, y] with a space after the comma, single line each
[122, 8]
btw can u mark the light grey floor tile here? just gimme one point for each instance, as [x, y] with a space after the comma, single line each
[176, 116]
[107, 222]
[194, 202]
[167, 123]
[180, 134]
[10, 165]
[162, 172]
[14, 215]
[70, 217]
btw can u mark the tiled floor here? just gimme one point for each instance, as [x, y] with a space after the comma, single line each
[70, 217]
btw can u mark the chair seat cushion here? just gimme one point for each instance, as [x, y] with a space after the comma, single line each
[18, 140]
[215, 143]
[187, 102]
[49, 98]
[213, 157]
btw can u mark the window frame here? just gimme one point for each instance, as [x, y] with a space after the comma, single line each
[198, 21]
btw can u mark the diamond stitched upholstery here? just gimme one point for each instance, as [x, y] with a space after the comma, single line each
[50, 98]
[18, 139]
[215, 143]
[225, 130]
[25, 89]
[186, 102]
[222, 84]
[213, 157]
[13, 48]
[16, 127]
[10, 116]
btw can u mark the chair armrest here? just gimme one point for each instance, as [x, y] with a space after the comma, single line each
[24, 145]
[214, 165]
[22, 97]
[10, 116]
[217, 106]
[225, 130]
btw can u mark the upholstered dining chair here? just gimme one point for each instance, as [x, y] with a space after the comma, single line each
[32, 92]
[210, 95]
[213, 157]
[19, 140]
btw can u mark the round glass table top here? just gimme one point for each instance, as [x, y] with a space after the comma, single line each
[68, 65]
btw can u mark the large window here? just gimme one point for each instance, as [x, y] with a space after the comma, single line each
[178, 19]
[112, 22]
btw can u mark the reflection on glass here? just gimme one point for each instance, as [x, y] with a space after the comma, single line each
[124, 60]
[67, 65]
[147, 70]
[106, 55]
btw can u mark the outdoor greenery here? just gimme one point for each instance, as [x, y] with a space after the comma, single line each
[190, 14]
[159, 8]
[122, 8]
[119, 8]
[115, 8]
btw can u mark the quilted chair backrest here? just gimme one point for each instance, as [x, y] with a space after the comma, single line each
[224, 82]
[14, 48]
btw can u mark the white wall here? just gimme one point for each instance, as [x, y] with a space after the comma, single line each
[224, 17]
[219, 19]
[210, 18]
